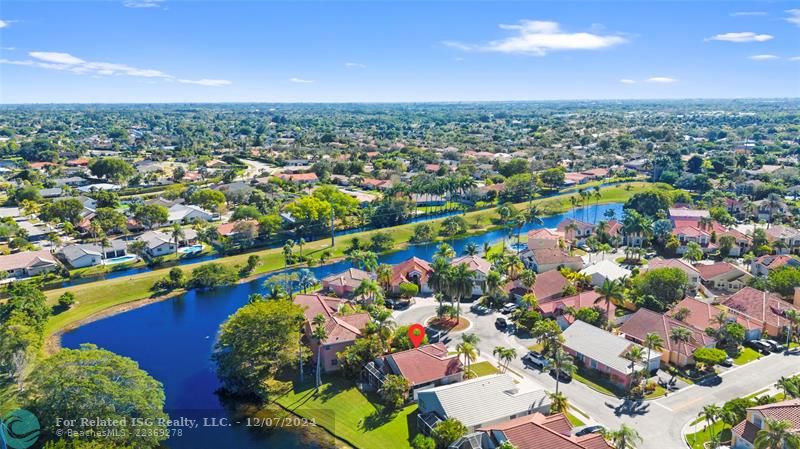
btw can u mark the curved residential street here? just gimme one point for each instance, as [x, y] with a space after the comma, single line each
[661, 421]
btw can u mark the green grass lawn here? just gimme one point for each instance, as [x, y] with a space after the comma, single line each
[574, 420]
[746, 355]
[657, 393]
[94, 297]
[601, 385]
[483, 369]
[348, 414]
[697, 439]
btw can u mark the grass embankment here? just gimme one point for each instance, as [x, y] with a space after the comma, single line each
[342, 410]
[95, 297]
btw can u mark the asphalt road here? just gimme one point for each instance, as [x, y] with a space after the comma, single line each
[660, 422]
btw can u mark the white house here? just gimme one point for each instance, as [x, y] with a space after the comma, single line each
[605, 269]
[477, 265]
[158, 243]
[87, 255]
[182, 213]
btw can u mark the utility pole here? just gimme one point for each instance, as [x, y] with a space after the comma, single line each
[333, 228]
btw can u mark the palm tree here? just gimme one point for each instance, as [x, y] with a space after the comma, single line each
[385, 324]
[369, 289]
[469, 352]
[471, 249]
[610, 291]
[445, 251]
[710, 414]
[790, 387]
[528, 278]
[653, 342]
[777, 435]
[634, 354]
[384, 276]
[681, 336]
[561, 363]
[365, 260]
[571, 229]
[792, 318]
[305, 279]
[493, 282]
[177, 235]
[773, 202]
[461, 282]
[505, 355]
[439, 278]
[514, 266]
[319, 334]
[625, 437]
[558, 403]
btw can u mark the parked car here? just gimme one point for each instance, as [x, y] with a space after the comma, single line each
[727, 363]
[433, 335]
[508, 308]
[759, 346]
[500, 323]
[535, 359]
[586, 430]
[560, 375]
[774, 346]
[479, 309]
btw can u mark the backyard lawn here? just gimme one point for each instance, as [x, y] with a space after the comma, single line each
[746, 355]
[344, 411]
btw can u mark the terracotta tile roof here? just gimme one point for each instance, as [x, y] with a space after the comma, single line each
[549, 285]
[538, 431]
[596, 172]
[746, 430]
[700, 313]
[228, 228]
[298, 177]
[779, 411]
[690, 231]
[340, 328]
[644, 321]
[543, 238]
[715, 269]
[673, 263]
[26, 259]
[553, 256]
[426, 363]
[351, 277]
[582, 225]
[400, 271]
[773, 262]
[614, 228]
[474, 263]
[581, 300]
[759, 306]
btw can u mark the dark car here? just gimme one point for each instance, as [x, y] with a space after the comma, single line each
[500, 323]
[560, 375]
[535, 359]
[479, 309]
[433, 335]
[586, 430]
[774, 346]
[759, 346]
[727, 363]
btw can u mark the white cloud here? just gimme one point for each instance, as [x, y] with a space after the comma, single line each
[536, 37]
[355, 65]
[794, 16]
[795, 58]
[300, 80]
[206, 82]
[67, 62]
[142, 3]
[764, 57]
[627, 81]
[4, 23]
[661, 80]
[748, 13]
[745, 36]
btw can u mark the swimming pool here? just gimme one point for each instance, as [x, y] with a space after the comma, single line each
[191, 249]
[120, 259]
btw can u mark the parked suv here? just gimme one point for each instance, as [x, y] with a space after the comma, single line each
[535, 360]
[759, 346]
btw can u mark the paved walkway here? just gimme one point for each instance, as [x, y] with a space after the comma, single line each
[660, 422]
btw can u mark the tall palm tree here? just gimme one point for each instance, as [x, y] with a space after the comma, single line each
[445, 251]
[625, 437]
[681, 336]
[505, 355]
[305, 279]
[471, 249]
[710, 414]
[777, 435]
[319, 334]
[468, 351]
[634, 354]
[611, 290]
[792, 318]
[439, 278]
[558, 403]
[384, 276]
[177, 234]
[460, 281]
[514, 266]
[561, 363]
[493, 282]
[653, 342]
[369, 289]
[790, 386]
[385, 325]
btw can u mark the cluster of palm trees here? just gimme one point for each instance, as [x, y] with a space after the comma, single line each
[468, 348]
[448, 187]
[448, 281]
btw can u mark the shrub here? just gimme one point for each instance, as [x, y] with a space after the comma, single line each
[408, 289]
[66, 300]
[213, 275]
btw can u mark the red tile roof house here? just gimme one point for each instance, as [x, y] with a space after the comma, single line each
[789, 236]
[547, 259]
[601, 352]
[299, 178]
[743, 242]
[556, 308]
[764, 264]
[596, 173]
[549, 285]
[424, 367]
[578, 235]
[764, 308]
[690, 233]
[691, 272]
[345, 283]
[723, 276]
[544, 239]
[478, 265]
[645, 321]
[538, 431]
[229, 229]
[342, 330]
[744, 433]
[701, 316]
[414, 270]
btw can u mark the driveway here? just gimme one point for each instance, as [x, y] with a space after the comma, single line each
[659, 422]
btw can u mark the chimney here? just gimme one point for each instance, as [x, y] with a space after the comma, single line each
[796, 301]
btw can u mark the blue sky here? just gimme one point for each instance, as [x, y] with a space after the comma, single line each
[180, 50]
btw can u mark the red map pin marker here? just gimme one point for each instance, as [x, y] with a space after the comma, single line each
[416, 333]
